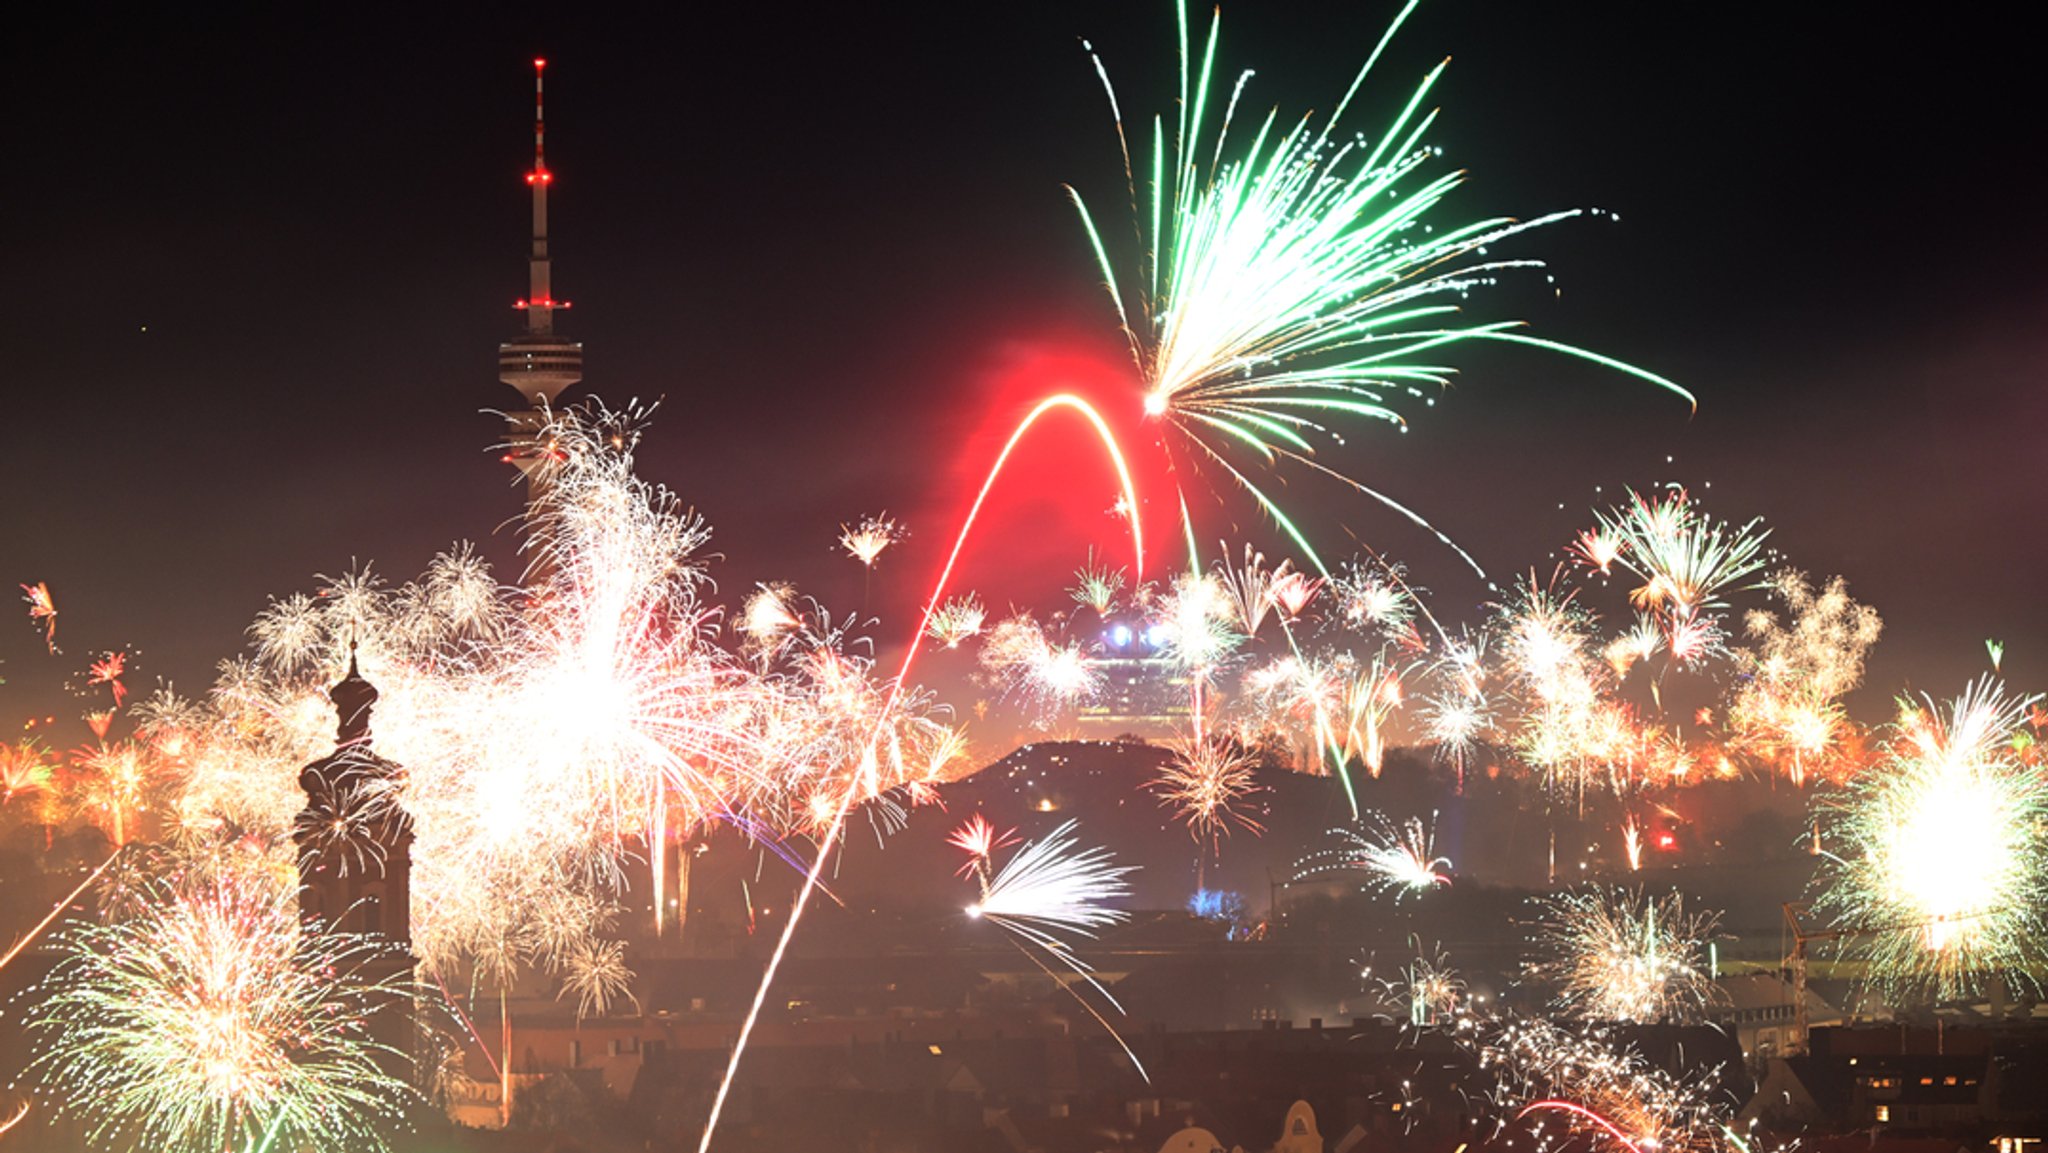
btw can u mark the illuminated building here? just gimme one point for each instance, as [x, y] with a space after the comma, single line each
[1142, 691]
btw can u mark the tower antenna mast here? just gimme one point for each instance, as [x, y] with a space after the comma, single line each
[538, 363]
[540, 303]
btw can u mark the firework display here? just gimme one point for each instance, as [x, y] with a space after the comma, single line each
[1621, 955]
[1581, 1085]
[1204, 785]
[600, 777]
[606, 713]
[1048, 892]
[957, 620]
[1938, 867]
[1790, 709]
[1051, 886]
[1299, 281]
[1021, 659]
[1395, 857]
[211, 1019]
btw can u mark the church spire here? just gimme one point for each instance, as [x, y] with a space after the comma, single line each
[353, 696]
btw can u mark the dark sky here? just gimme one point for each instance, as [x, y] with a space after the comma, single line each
[257, 267]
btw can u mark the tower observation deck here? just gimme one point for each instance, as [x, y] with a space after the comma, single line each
[538, 362]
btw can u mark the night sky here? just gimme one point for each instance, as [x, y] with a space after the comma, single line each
[257, 270]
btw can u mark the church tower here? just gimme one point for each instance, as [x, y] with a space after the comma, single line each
[538, 362]
[353, 837]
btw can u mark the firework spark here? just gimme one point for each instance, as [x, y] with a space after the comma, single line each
[108, 670]
[769, 617]
[1599, 1090]
[1297, 282]
[1046, 674]
[1051, 887]
[1204, 784]
[1374, 597]
[213, 1020]
[25, 767]
[1598, 548]
[1787, 710]
[956, 620]
[866, 541]
[1432, 991]
[1396, 857]
[1686, 560]
[980, 841]
[1619, 955]
[42, 612]
[1097, 586]
[1197, 618]
[1940, 865]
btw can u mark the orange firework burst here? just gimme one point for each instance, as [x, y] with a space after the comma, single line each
[1204, 784]
[42, 612]
[108, 671]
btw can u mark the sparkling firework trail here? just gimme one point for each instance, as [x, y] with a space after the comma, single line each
[1297, 282]
[36, 930]
[1396, 857]
[1050, 888]
[832, 831]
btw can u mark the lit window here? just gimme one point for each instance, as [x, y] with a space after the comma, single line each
[1884, 1112]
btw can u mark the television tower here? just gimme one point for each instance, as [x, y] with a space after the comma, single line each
[537, 362]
